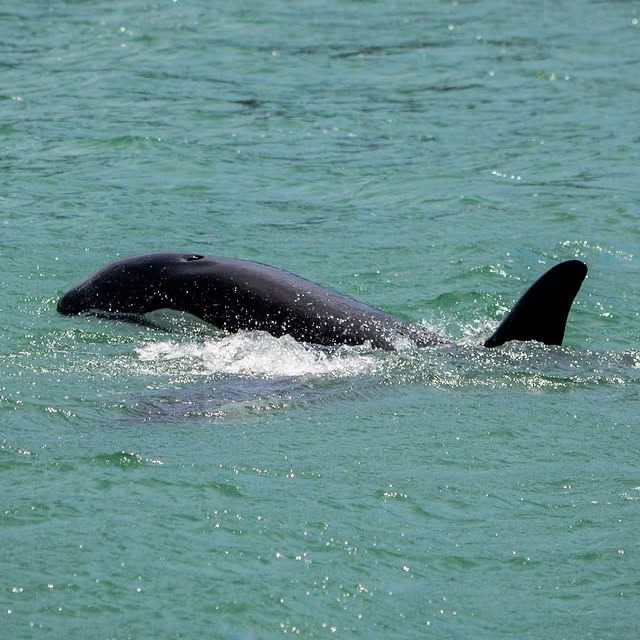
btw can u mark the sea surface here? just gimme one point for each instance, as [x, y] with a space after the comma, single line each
[428, 158]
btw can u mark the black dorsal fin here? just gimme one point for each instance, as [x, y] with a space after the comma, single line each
[541, 314]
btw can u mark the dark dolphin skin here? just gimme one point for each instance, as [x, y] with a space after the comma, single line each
[239, 295]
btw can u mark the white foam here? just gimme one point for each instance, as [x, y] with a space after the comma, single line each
[258, 354]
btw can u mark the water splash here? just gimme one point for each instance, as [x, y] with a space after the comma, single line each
[257, 354]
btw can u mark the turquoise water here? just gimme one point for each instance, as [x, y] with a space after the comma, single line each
[431, 159]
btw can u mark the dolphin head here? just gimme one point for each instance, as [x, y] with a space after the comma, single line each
[130, 286]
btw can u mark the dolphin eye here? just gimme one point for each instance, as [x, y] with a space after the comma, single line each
[193, 257]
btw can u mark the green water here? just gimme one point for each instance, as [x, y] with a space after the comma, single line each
[431, 159]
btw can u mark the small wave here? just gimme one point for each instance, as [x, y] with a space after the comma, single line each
[518, 365]
[234, 376]
[257, 354]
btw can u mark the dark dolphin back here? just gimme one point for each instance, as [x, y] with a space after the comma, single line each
[236, 295]
[242, 295]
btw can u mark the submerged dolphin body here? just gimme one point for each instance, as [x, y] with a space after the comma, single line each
[241, 295]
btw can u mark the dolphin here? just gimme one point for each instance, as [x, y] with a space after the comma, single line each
[237, 295]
